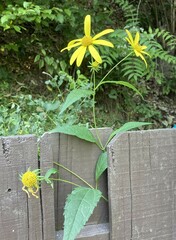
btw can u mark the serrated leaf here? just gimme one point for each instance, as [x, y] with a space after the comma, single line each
[79, 207]
[75, 130]
[126, 127]
[74, 96]
[101, 165]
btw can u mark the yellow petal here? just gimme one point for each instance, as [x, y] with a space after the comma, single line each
[130, 37]
[102, 33]
[143, 47]
[87, 25]
[136, 52]
[136, 40]
[70, 47]
[74, 41]
[81, 56]
[145, 53]
[95, 54]
[129, 41]
[103, 42]
[142, 57]
[75, 54]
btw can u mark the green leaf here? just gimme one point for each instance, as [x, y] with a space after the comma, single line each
[74, 96]
[41, 63]
[48, 174]
[126, 84]
[37, 58]
[17, 28]
[79, 207]
[101, 165]
[129, 85]
[26, 4]
[4, 19]
[51, 106]
[75, 130]
[60, 17]
[126, 127]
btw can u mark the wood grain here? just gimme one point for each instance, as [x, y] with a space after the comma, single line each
[142, 185]
[20, 217]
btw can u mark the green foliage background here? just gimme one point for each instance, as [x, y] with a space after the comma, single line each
[31, 37]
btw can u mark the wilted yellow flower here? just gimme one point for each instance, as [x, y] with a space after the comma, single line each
[30, 181]
[138, 49]
[87, 43]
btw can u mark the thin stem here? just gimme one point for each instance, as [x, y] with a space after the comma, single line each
[65, 181]
[93, 111]
[76, 175]
[104, 198]
[72, 183]
[73, 173]
[51, 119]
[112, 70]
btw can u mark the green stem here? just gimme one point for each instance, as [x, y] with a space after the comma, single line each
[104, 198]
[73, 173]
[51, 119]
[72, 183]
[93, 111]
[112, 70]
[65, 181]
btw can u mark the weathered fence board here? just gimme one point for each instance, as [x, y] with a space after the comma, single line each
[20, 217]
[142, 185]
[80, 157]
[47, 193]
[91, 232]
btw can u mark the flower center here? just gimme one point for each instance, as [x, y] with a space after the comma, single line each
[29, 179]
[86, 41]
[138, 47]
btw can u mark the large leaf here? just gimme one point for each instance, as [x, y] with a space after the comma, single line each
[101, 165]
[79, 207]
[75, 130]
[126, 127]
[126, 84]
[74, 96]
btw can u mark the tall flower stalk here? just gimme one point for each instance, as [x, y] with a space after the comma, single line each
[83, 198]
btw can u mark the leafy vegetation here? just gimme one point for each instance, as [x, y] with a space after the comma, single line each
[32, 34]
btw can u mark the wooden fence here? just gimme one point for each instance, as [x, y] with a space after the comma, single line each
[140, 183]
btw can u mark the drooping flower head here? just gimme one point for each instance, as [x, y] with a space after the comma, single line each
[30, 180]
[137, 48]
[87, 42]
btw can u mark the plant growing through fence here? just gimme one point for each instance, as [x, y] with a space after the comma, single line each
[82, 201]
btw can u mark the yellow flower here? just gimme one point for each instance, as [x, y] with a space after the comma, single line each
[138, 49]
[87, 43]
[30, 181]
